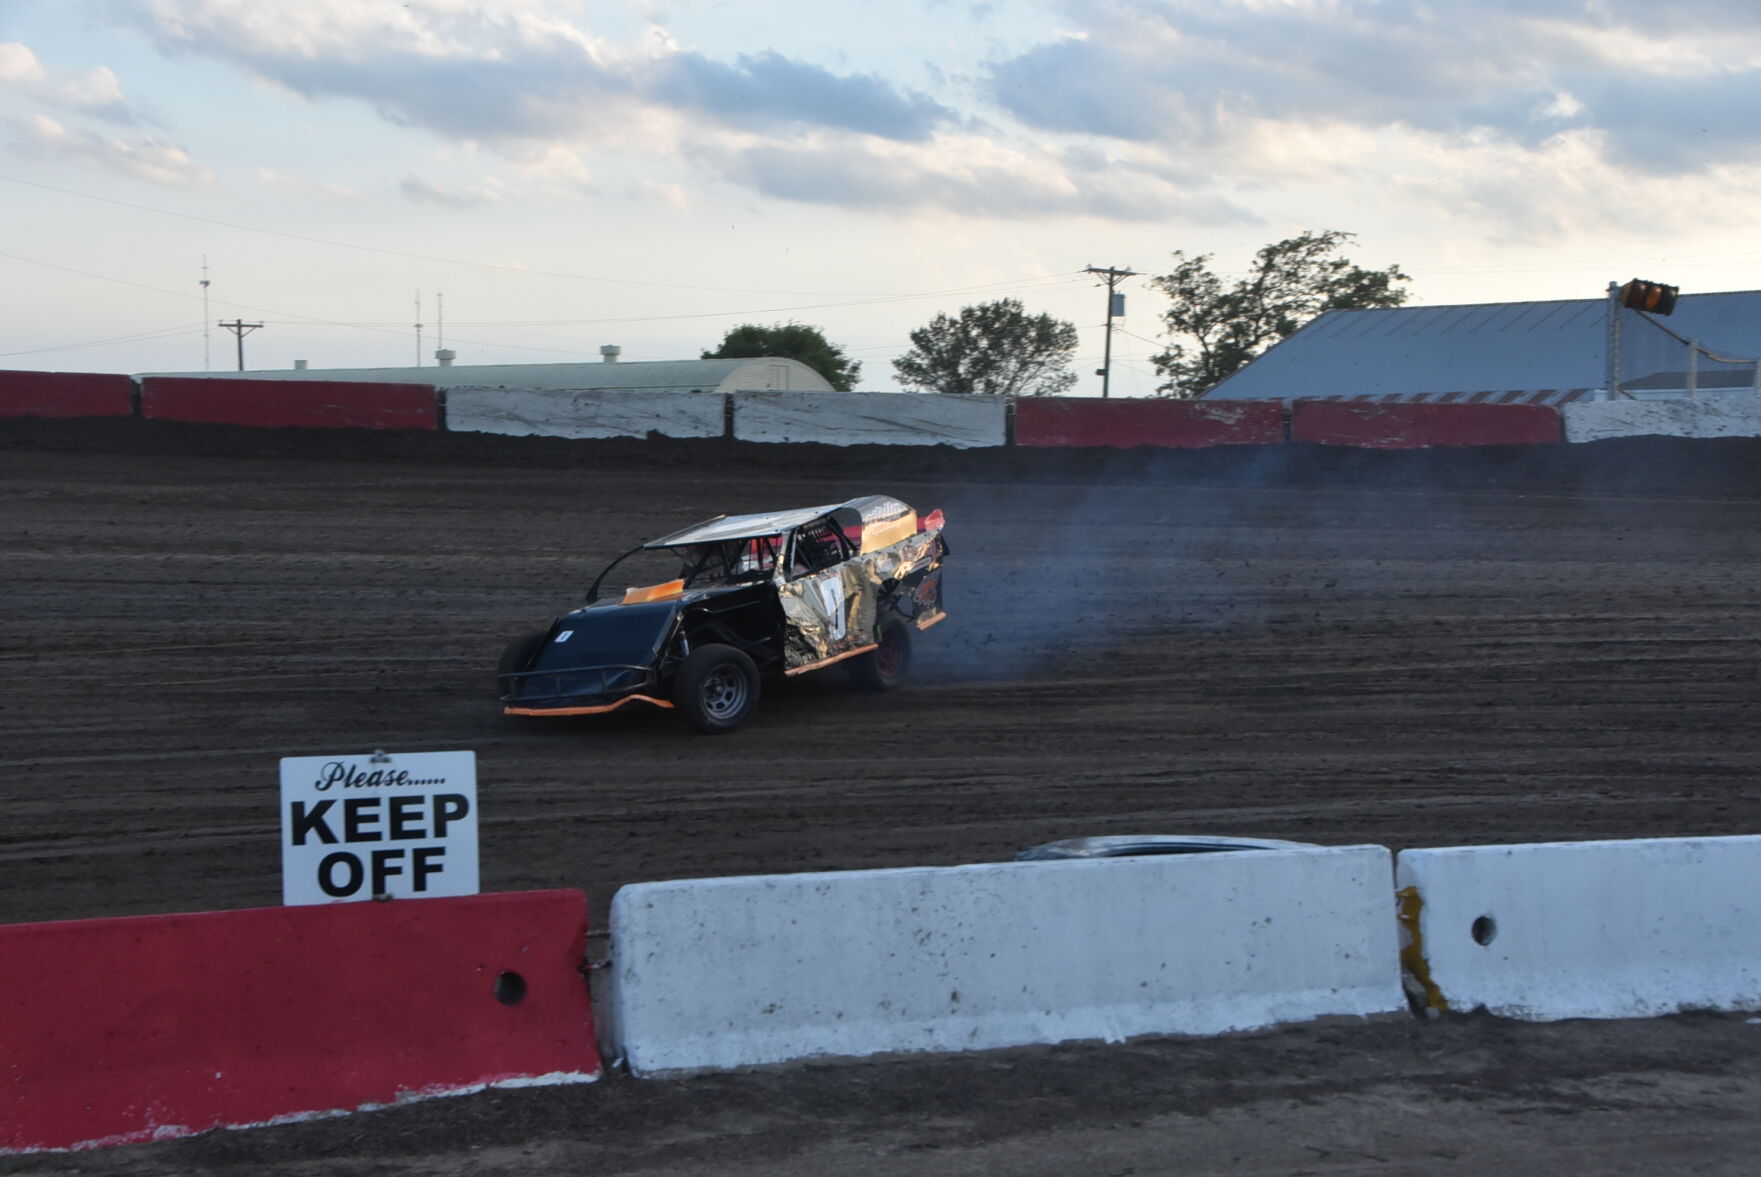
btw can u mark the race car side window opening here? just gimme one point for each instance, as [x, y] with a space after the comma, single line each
[818, 545]
[758, 556]
[743, 559]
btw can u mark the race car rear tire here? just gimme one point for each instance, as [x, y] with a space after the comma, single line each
[887, 665]
[518, 654]
[716, 688]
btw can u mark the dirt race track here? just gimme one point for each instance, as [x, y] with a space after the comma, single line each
[1414, 649]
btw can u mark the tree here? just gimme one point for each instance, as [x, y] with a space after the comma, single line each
[1217, 329]
[795, 341]
[992, 349]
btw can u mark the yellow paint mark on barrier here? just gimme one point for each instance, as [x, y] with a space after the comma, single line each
[1412, 950]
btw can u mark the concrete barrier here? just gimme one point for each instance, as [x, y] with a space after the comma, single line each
[289, 403]
[1586, 929]
[65, 394]
[718, 973]
[122, 1030]
[521, 412]
[1414, 426]
[1121, 424]
[871, 418]
[1706, 415]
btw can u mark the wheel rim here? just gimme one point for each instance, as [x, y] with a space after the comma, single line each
[724, 692]
[890, 655]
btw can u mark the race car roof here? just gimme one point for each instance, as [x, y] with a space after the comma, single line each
[727, 527]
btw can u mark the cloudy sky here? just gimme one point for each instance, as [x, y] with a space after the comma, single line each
[566, 174]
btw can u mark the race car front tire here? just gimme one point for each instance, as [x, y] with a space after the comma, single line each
[887, 665]
[716, 688]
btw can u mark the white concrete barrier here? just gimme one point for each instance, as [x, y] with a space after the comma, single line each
[1722, 414]
[1587, 929]
[870, 418]
[560, 412]
[716, 973]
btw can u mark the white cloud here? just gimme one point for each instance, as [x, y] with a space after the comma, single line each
[673, 196]
[147, 158]
[966, 176]
[419, 191]
[270, 178]
[517, 71]
[1173, 72]
[1187, 111]
[1283, 92]
[95, 91]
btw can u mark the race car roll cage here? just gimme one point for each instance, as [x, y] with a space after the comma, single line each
[814, 547]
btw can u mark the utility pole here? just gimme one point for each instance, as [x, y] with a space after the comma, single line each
[418, 328]
[241, 329]
[1115, 308]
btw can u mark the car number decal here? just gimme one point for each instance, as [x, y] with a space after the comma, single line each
[564, 636]
[831, 591]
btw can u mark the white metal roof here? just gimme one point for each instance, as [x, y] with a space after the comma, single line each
[766, 373]
[870, 508]
[726, 527]
[1497, 352]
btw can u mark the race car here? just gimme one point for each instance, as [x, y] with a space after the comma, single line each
[742, 596]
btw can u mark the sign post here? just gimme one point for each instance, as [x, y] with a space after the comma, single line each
[381, 826]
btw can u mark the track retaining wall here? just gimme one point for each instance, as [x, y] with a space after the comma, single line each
[718, 973]
[1123, 424]
[289, 403]
[1730, 414]
[871, 418]
[152, 1027]
[1414, 426]
[1586, 929]
[566, 413]
[868, 418]
[65, 394]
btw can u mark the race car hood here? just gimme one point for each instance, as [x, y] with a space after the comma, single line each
[609, 635]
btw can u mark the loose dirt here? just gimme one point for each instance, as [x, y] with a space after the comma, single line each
[1412, 649]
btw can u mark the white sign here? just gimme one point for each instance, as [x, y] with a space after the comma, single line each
[361, 827]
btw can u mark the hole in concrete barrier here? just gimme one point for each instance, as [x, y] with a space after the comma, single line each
[1485, 930]
[510, 988]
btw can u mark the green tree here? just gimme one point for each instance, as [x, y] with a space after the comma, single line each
[795, 341]
[992, 349]
[1215, 329]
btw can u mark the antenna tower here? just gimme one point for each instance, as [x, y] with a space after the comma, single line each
[207, 354]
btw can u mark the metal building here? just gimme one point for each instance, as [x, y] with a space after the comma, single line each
[767, 373]
[1510, 353]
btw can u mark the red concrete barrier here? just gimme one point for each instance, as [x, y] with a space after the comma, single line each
[285, 403]
[65, 394]
[115, 1031]
[1125, 423]
[1402, 426]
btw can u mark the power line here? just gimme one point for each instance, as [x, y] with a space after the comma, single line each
[492, 266]
[137, 337]
[310, 320]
